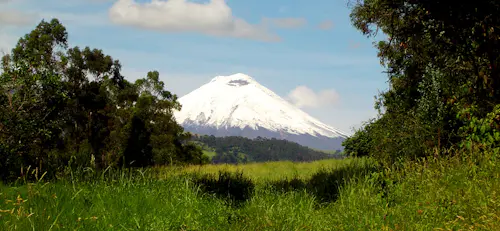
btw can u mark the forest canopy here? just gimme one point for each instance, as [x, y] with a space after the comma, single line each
[237, 149]
[69, 106]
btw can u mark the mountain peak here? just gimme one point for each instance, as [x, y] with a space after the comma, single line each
[238, 79]
[237, 104]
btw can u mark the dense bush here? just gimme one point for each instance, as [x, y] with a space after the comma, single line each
[484, 133]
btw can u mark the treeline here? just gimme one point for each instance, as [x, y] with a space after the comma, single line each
[443, 66]
[62, 106]
[235, 149]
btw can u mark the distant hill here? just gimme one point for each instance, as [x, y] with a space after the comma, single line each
[236, 149]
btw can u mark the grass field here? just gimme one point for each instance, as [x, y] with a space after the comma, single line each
[262, 172]
[351, 194]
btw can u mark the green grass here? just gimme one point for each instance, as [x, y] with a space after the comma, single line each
[450, 194]
[209, 153]
[269, 170]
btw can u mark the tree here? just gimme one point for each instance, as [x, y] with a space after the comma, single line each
[61, 105]
[442, 59]
[32, 97]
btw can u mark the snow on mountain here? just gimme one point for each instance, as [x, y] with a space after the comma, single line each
[239, 105]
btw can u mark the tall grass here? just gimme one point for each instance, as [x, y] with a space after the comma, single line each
[262, 172]
[356, 194]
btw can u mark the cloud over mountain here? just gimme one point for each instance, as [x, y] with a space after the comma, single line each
[214, 18]
[303, 97]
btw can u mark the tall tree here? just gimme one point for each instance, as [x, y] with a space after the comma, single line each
[33, 99]
[60, 105]
[442, 58]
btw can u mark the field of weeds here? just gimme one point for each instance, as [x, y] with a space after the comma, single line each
[351, 194]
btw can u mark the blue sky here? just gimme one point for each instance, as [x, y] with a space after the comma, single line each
[298, 49]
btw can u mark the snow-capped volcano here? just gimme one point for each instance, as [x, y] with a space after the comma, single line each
[237, 105]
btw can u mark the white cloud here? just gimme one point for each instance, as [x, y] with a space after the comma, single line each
[303, 97]
[213, 18]
[84, 20]
[15, 18]
[326, 25]
[285, 22]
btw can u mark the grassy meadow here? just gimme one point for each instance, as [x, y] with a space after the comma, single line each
[268, 171]
[351, 194]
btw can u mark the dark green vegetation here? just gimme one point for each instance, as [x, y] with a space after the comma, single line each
[443, 66]
[235, 149]
[430, 158]
[63, 106]
[450, 194]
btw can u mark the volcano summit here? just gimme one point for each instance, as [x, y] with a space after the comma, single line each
[237, 105]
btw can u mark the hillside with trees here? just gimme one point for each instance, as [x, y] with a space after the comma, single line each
[235, 149]
[66, 106]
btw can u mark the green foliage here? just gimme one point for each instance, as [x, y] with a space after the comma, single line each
[440, 61]
[360, 144]
[392, 137]
[484, 133]
[61, 106]
[236, 150]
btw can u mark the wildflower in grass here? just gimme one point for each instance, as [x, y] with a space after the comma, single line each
[420, 211]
